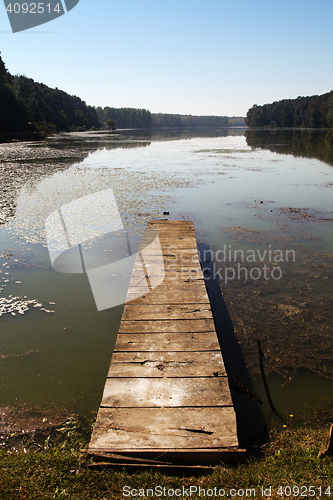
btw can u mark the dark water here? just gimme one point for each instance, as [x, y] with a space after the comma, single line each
[265, 195]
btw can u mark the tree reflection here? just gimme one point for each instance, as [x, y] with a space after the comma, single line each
[306, 143]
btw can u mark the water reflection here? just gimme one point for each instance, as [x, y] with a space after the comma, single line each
[306, 143]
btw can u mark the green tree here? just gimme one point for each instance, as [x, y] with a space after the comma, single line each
[329, 114]
[13, 115]
[22, 101]
[314, 111]
[110, 124]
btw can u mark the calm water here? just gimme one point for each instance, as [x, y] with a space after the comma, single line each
[245, 191]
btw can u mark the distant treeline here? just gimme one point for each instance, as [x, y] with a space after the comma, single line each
[308, 112]
[189, 121]
[125, 117]
[141, 118]
[26, 105]
[169, 120]
[236, 121]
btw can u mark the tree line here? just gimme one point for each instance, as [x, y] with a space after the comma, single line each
[124, 117]
[159, 120]
[30, 106]
[176, 120]
[304, 112]
[142, 118]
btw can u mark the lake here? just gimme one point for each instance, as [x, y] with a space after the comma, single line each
[261, 202]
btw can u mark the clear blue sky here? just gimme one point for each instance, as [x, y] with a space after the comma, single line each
[215, 57]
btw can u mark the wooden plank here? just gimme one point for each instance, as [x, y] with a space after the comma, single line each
[173, 295]
[117, 458]
[176, 259]
[159, 267]
[166, 392]
[191, 463]
[183, 242]
[177, 232]
[168, 326]
[136, 342]
[156, 223]
[175, 249]
[183, 223]
[166, 364]
[166, 277]
[168, 238]
[138, 312]
[187, 288]
[173, 278]
[166, 243]
[164, 429]
[171, 247]
[199, 296]
[166, 227]
[161, 298]
[180, 249]
[156, 263]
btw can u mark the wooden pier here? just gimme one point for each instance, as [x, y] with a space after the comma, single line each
[166, 398]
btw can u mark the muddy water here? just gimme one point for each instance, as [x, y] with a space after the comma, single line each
[261, 202]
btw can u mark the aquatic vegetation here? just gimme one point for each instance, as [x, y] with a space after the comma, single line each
[293, 316]
[19, 305]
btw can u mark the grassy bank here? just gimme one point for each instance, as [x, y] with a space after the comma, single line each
[56, 471]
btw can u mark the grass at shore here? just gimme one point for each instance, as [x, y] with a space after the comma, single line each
[56, 472]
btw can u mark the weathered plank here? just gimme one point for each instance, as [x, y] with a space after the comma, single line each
[167, 342]
[166, 392]
[174, 253]
[169, 278]
[166, 364]
[174, 249]
[188, 288]
[168, 326]
[164, 428]
[178, 297]
[138, 312]
[163, 267]
[161, 299]
[157, 296]
[156, 264]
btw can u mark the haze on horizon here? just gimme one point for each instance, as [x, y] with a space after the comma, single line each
[189, 57]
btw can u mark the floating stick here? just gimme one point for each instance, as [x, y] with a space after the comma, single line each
[261, 361]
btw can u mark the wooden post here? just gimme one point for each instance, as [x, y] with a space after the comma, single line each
[328, 451]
